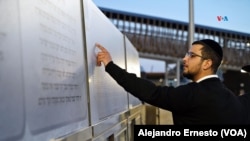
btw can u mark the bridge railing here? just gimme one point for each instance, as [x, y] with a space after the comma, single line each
[158, 36]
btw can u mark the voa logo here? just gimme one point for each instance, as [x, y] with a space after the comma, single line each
[222, 18]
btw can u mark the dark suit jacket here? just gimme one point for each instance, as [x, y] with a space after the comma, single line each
[206, 102]
[245, 100]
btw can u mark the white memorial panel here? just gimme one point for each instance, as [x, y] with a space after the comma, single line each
[132, 66]
[54, 70]
[11, 87]
[106, 96]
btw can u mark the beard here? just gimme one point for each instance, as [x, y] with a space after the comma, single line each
[188, 75]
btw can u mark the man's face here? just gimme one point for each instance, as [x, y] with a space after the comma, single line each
[192, 62]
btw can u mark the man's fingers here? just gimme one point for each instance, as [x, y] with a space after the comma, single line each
[100, 47]
[98, 59]
[103, 56]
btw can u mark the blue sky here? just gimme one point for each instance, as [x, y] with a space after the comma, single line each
[205, 13]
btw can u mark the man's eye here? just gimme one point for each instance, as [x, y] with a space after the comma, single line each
[192, 55]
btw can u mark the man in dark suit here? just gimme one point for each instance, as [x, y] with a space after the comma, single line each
[245, 98]
[205, 100]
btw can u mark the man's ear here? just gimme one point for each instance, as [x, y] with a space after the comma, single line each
[207, 64]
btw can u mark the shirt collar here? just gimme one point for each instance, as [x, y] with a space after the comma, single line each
[206, 77]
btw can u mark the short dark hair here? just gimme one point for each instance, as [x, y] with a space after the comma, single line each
[211, 50]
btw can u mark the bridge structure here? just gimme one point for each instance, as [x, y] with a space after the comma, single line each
[167, 40]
